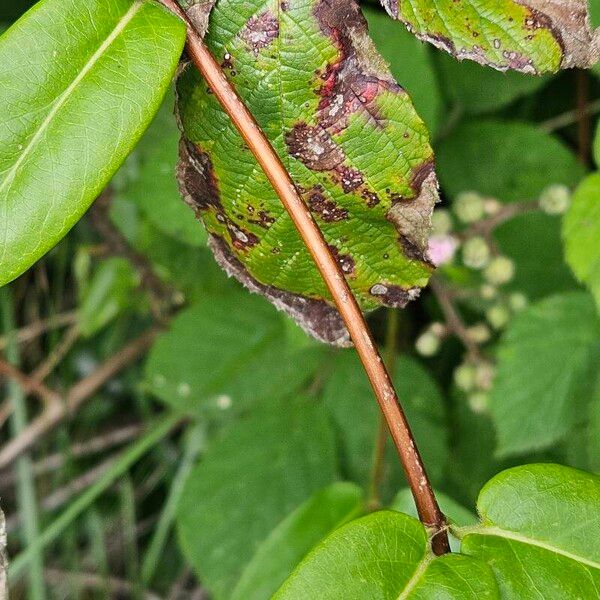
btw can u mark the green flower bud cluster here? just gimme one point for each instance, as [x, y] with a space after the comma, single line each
[475, 379]
[555, 199]
[429, 342]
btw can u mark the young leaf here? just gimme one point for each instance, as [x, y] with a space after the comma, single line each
[540, 532]
[260, 469]
[74, 103]
[543, 353]
[226, 352]
[581, 234]
[350, 138]
[294, 537]
[532, 36]
[386, 556]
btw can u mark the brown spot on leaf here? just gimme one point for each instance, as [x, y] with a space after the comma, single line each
[345, 261]
[349, 178]
[328, 210]
[264, 220]
[394, 295]
[260, 31]
[314, 147]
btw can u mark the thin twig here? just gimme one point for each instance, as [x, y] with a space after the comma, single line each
[584, 130]
[374, 501]
[57, 408]
[507, 212]
[58, 353]
[101, 443]
[243, 120]
[453, 319]
[34, 330]
[569, 117]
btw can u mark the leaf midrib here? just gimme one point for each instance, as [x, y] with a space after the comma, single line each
[517, 537]
[62, 99]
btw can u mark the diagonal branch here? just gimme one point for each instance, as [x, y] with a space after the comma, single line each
[429, 511]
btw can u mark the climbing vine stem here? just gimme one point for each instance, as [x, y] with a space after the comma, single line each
[427, 506]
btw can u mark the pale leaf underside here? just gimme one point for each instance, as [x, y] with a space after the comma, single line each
[347, 133]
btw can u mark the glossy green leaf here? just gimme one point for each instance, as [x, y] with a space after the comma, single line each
[541, 357]
[294, 537]
[260, 470]
[148, 179]
[532, 36]
[386, 556]
[410, 63]
[73, 106]
[515, 162]
[540, 532]
[349, 398]
[224, 353]
[581, 234]
[348, 135]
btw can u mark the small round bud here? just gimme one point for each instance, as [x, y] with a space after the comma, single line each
[491, 206]
[488, 292]
[484, 376]
[555, 199]
[469, 207]
[464, 377]
[480, 333]
[441, 221]
[476, 253]
[479, 402]
[500, 270]
[517, 301]
[441, 249]
[427, 344]
[438, 329]
[497, 316]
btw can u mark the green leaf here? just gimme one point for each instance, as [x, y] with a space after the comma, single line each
[540, 532]
[260, 469]
[488, 157]
[294, 537]
[348, 135]
[110, 291]
[349, 398]
[226, 352]
[532, 36]
[386, 556]
[410, 63]
[476, 89]
[148, 179]
[541, 357]
[73, 106]
[581, 234]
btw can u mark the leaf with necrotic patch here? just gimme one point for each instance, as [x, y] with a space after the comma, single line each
[347, 133]
[532, 36]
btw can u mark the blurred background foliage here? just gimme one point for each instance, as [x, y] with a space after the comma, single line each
[178, 438]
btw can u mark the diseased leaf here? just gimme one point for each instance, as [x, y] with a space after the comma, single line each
[532, 36]
[540, 532]
[294, 537]
[581, 234]
[544, 351]
[73, 105]
[348, 135]
[386, 556]
[260, 470]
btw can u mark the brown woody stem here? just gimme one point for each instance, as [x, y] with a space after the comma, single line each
[427, 506]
